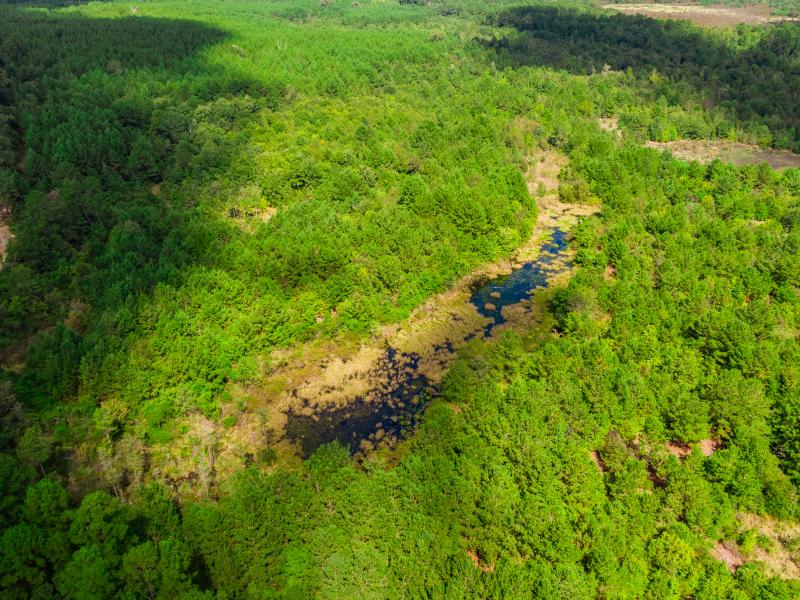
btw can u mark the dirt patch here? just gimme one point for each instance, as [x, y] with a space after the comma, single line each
[609, 124]
[5, 235]
[476, 560]
[706, 151]
[708, 447]
[679, 450]
[597, 461]
[704, 16]
[781, 557]
[728, 553]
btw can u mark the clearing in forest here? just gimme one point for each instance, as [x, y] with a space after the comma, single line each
[706, 151]
[765, 540]
[704, 16]
[777, 544]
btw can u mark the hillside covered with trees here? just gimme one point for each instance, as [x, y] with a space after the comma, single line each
[196, 191]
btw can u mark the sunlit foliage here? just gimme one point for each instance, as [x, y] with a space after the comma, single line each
[195, 185]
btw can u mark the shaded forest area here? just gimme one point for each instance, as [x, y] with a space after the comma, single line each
[193, 189]
[752, 74]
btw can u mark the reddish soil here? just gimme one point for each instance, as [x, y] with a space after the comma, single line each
[708, 447]
[679, 450]
[728, 553]
[5, 235]
[477, 562]
[598, 461]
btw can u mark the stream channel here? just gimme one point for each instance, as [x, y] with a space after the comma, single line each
[390, 410]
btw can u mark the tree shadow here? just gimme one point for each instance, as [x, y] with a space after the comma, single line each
[102, 111]
[754, 82]
[49, 4]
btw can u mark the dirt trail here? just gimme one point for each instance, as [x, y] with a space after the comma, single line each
[5, 235]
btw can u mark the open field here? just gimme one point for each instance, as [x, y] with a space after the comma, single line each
[706, 151]
[705, 16]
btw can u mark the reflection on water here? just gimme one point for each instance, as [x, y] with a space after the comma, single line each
[512, 289]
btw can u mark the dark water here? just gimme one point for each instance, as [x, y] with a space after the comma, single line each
[385, 414]
[390, 411]
[508, 290]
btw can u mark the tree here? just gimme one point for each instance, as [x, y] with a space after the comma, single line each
[102, 522]
[34, 448]
[46, 504]
[88, 576]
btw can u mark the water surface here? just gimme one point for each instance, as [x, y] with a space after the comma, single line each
[508, 290]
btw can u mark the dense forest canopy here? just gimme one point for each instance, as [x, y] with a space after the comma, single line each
[195, 189]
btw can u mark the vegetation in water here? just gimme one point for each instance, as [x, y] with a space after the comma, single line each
[194, 187]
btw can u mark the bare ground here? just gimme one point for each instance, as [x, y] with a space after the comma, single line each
[783, 558]
[728, 553]
[679, 450]
[476, 560]
[707, 448]
[609, 124]
[5, 236]
[704, 16]
[706, 151]
[597, 461]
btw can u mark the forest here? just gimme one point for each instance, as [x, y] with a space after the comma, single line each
[200, 197]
